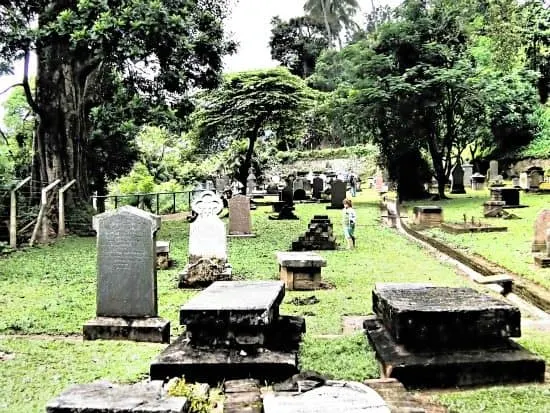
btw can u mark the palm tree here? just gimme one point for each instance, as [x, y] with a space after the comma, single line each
[335, 14]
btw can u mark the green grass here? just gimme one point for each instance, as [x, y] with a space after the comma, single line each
[511, 249]
[51, 290]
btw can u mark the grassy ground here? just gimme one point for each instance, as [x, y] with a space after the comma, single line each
[50, 291]
[511, 249]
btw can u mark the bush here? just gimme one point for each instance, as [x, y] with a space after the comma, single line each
[360, 151]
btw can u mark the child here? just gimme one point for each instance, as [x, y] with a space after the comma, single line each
[349, 219]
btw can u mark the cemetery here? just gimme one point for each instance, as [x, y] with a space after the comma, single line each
[274, 207]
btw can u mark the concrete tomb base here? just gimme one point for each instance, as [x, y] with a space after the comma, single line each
[542, 260]
[300, 270]
[234, 331]
[241, 235]
[427, 216]
[214, 365]
[153, 329]
[506, 362]
[189, 280]
[427, 336]
[106, 397]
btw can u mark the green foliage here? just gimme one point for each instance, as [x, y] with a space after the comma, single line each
[369, 152]
[540, 146]
[198, 400]
[268, 104]
[336, 15]
[297, 43]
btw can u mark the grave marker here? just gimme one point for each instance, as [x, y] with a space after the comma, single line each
[337, 194]
[542, 223]
[239, 217]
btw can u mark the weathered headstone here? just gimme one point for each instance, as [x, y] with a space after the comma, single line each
[222, 183]
[524, 181]
[536, 177]
[457, 180]
[285, 206]
[428, 336]
[543, 259]
[378, 183]
[468, 171]
[337, 194]
[126, 296]
[250, 182]
[542, 223]
[318, 186]
[207, 244]
[333, 396]
[239, 217]
[493, 171]
[515, 181]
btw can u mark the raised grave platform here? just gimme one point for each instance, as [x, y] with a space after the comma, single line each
[106, 397]
[427, 216]
[234, 330]
[427, 336]
[152, 329]
[300, 270]
[465, 228]
[319, 236]
[542, 260]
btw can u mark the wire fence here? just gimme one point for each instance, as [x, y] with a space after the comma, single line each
[159, 203]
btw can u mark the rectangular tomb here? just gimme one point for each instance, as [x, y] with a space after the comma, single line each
[427, 216]
[300, 270]
[442, 316]
[239, 311]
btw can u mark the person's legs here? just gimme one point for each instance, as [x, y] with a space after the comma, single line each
[350, 239]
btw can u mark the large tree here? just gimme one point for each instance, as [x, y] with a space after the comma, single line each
[248, 105]
[108, 65]
[297, 43]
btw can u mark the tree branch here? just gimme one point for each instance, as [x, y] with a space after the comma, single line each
[10, 87]
[26, 85]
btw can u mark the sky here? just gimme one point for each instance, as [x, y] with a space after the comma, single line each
[250, 24]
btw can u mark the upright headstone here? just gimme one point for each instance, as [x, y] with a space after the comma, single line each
[337, 194]
[468, 171]
[493, 171]
[250, 182]
[457, 180]
[318, 186]
[543, 259]
[536, 177]
[239, 217]
[207, 244]
[126, 296]
[222, 183]
[542, 223]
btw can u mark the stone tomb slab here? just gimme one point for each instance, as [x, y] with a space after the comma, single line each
[233, 310]
[428, 215]
[441, 316]
[334, 396]
[153, 330]
[300, 270]
[214, 365]
[106, 397]
[505, 362]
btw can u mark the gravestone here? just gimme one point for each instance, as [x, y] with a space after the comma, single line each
[126, 297]
[493, 171]
[468, 171]
[378, 183]
[319, 236]
[285, 206]
[524, 181]
[332, 396]
[426, 336]
[250, 182]
[337, 194]
[222, 183]
[239, 217]
[478, 181]
[543, 259]
[233, 330]
[318, 186]
[207, 244]
[427, 216]
[299, 189]
[542, 223]
[536, 177]
[457, 180]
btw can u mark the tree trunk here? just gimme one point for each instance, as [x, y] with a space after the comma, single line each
[324, 7]
[243, 172]
[63, 127]
[437, 161]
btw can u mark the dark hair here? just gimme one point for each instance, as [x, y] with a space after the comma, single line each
[348, 202]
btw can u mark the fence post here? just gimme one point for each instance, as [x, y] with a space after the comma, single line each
[61, 209]
[116, 202]
[174, 203]
[40, 221]
[13, 212]
[158, 199]
[94, 201]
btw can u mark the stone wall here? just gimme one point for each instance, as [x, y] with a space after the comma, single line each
[362, 166]
[522, 165]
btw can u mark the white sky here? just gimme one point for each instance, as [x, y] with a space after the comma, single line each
[250, 23]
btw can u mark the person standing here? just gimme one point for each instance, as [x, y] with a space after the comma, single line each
[353, 184]
[349, 219]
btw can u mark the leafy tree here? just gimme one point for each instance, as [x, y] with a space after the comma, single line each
[336, 15]
[250, 105]
[137, 57]
[297, 43]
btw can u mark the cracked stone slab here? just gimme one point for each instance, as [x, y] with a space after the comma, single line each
[334, 396]
[106, 397]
